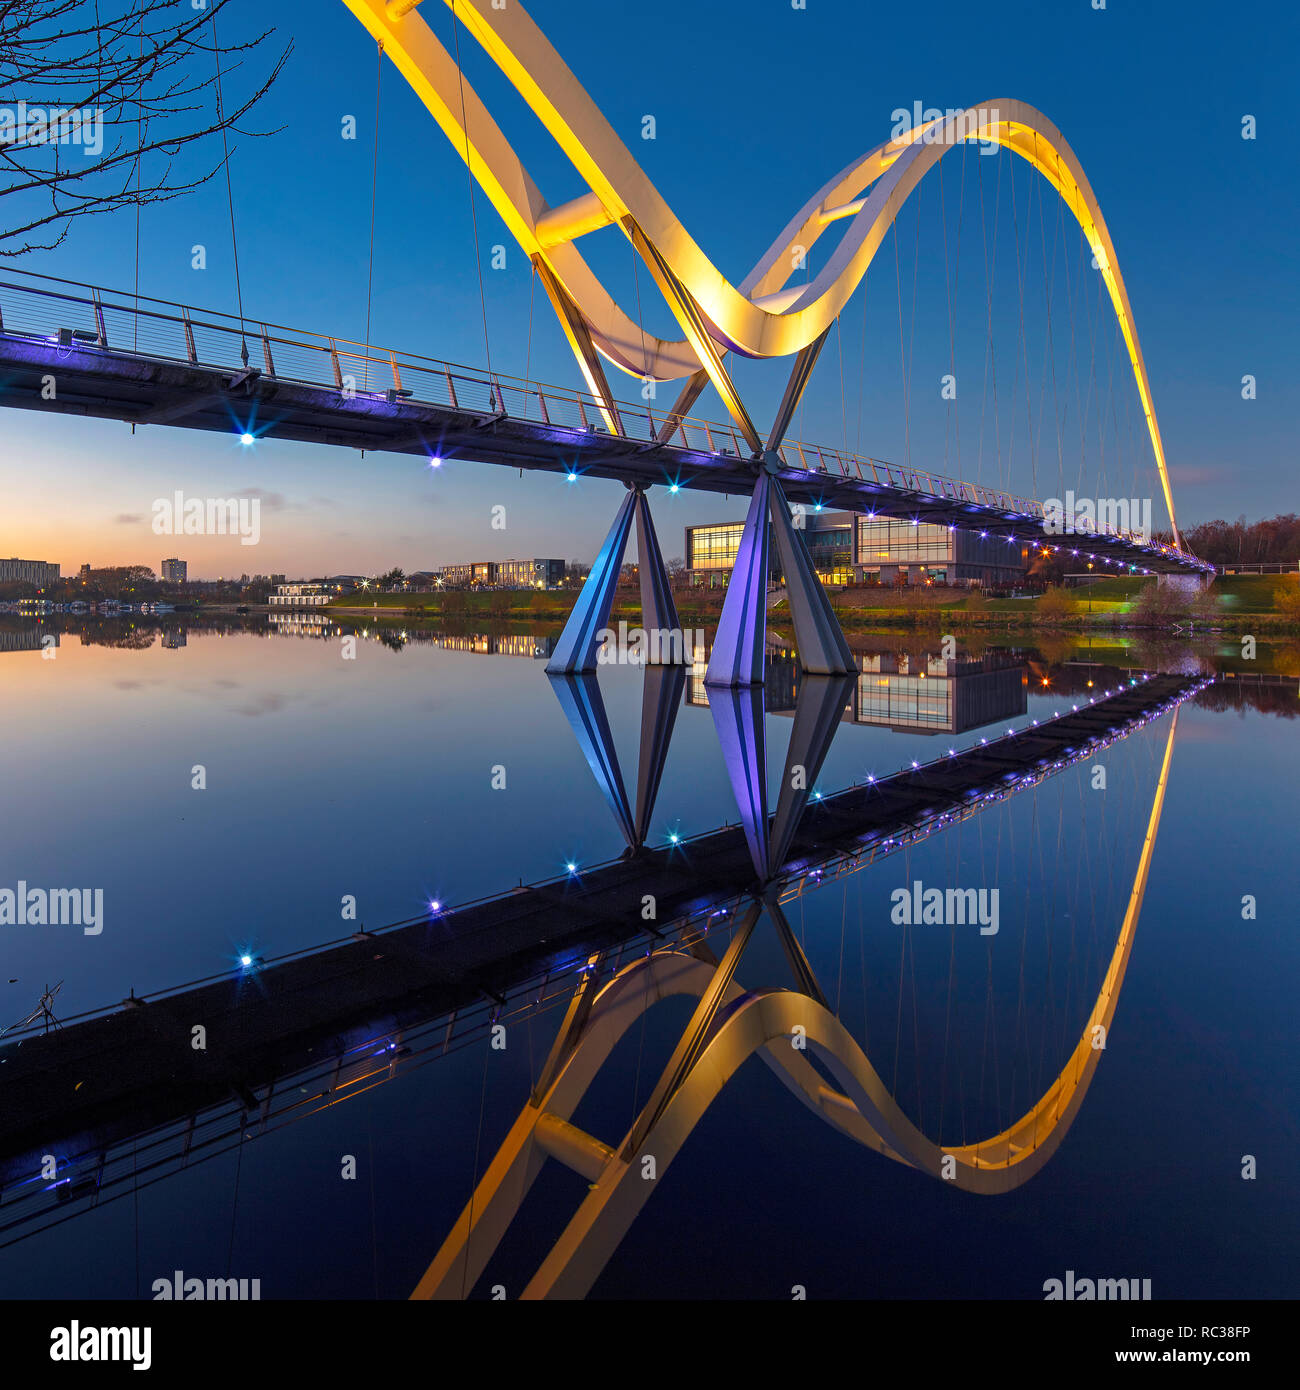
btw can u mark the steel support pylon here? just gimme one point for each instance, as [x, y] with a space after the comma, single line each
[576, 651]
[817, 632]
[658, 611]
[739, 654]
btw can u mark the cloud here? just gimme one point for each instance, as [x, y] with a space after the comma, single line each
[128, 518]
[1194, 475]
[272, 501]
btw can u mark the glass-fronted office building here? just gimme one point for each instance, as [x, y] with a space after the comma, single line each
[529, 574]
[504, 574]
[846, 548]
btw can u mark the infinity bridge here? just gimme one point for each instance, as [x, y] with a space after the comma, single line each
[85, 350]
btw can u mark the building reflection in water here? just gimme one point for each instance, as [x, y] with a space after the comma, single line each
[28, 639]
[524, 644]
[910, 692]
[925, 693]
[302, 623]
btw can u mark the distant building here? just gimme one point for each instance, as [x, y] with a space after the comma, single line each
[846, 548]
[84, 574]
[467, 576]
[504, 574]
[37, 572]
[529, 574]
[174, 571]
[301, 596]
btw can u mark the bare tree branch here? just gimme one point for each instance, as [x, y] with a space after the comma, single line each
[99, 97]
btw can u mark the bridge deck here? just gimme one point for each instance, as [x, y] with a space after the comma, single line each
[188, 372]
[124, 1072]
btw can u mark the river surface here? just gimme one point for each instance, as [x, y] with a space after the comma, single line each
[233, 788]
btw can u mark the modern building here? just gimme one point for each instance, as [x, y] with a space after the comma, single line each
[530, 574]
[504, 574]
[301, 596]
[847, 548]
[174, 571]
[465, 576]
[37, 572]
[84, 574]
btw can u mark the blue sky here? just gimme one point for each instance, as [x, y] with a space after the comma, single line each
[756, 105]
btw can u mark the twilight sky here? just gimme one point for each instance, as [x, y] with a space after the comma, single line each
[758, 107]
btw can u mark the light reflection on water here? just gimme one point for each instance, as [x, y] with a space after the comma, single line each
[373, 778]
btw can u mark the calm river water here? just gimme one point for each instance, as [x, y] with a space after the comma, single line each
[437, 767]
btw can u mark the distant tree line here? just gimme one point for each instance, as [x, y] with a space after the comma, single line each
[1275, 540]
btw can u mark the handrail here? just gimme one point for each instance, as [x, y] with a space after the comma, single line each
[341, 354]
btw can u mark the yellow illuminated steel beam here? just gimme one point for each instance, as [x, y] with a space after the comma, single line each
[576, 331]
[687, 313]
[748, 319]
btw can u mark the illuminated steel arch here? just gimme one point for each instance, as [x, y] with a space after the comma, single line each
[764, 316]
[728, 1027]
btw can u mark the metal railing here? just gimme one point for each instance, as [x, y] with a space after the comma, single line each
[72, 314]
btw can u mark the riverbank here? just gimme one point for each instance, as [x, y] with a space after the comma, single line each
[1254, 604]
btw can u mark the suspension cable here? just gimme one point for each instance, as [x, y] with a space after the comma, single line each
[469, 174]
[374, 190]
[230, 196]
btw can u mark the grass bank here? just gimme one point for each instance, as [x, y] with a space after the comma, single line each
[1270, 603]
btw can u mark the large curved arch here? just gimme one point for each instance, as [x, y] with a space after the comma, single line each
[762, 317]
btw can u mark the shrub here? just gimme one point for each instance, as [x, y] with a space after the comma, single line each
[1055, 604]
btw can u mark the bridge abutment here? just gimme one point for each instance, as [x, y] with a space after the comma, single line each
[1190, 584]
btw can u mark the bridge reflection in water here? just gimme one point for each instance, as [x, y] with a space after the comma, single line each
[728, 1026]
[366, 1011]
